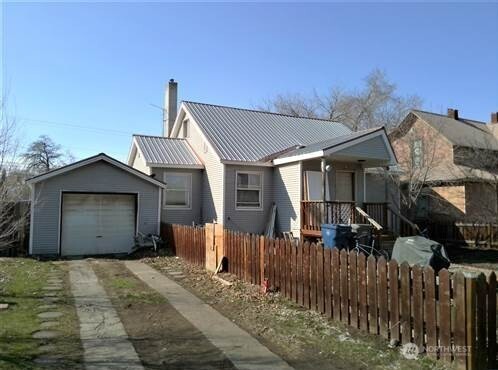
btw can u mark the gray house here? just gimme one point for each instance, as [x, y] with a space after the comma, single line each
[231, 165]
[94, 206]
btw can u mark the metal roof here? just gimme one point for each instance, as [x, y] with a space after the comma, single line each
[249, 135]
[329, 143]
[166, 151]
[462, 131]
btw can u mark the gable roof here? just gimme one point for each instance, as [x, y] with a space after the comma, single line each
[96, 158]
[166, 152]
[462, 132]
[329, 143]
[252, 136]
[339, 144]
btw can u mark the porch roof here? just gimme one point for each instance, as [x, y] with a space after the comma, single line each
[372, 146]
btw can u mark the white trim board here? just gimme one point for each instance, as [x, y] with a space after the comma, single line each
[180, 166]
[338, 147]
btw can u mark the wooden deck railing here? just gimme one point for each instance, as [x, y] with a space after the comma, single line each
[378, 211]
[315, 213]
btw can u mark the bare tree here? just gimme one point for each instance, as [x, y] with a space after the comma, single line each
[420, 160]
[377, 103]
[43, 155]
[13, 191]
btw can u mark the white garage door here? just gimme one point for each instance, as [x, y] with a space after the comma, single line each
[97, 224]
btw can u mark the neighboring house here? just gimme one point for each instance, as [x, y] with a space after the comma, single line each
[456, 161]
[93, 206]
[230, 165]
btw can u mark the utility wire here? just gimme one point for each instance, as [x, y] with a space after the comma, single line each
[72, 125]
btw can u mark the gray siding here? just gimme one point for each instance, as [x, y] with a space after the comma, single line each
[212, 177]
[287, 196]
[178, 215]
[95, 177]
[373, 148]
[250, 221]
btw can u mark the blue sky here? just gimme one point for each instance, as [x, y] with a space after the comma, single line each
[86, 74]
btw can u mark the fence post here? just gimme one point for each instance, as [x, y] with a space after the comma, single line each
[210, 248]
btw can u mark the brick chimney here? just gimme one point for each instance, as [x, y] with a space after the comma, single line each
[494, 117]
[170, 107]
[453, 113]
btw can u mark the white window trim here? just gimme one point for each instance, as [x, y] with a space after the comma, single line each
[261, 195]
[189, 207]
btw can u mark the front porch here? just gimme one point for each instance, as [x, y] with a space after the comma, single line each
[381, 215]
[342, 181]
[315, 213]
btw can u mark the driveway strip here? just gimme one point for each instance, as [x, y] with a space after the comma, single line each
[245, 352]
[104, 339]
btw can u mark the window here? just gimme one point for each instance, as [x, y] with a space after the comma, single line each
[249, 190]
[178, 190]
[417, 153]
[186, 129]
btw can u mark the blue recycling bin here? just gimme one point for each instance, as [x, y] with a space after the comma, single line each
[336, 235]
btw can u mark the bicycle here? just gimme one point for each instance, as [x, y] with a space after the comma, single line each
[366, 249]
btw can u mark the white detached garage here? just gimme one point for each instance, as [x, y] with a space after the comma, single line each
[94, 206]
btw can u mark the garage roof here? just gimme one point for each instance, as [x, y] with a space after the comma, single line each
[84, 162]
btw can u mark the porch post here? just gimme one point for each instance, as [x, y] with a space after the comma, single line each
[364, 185]
[324, 191]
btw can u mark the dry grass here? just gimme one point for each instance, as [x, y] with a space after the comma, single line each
[306, 339]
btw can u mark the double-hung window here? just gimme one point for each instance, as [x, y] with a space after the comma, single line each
[178, 193]
[249, 191]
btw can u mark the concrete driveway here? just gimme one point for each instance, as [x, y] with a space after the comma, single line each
[133, 317]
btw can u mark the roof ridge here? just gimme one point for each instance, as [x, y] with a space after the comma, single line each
[354, 133]
[161, 137]
[263, 112]
[461, 119]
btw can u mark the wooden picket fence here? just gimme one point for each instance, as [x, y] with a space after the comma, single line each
[451, 316]
[187, 242]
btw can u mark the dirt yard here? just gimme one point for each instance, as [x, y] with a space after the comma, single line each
[162, 338]
[305, 339]
[477, 258]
